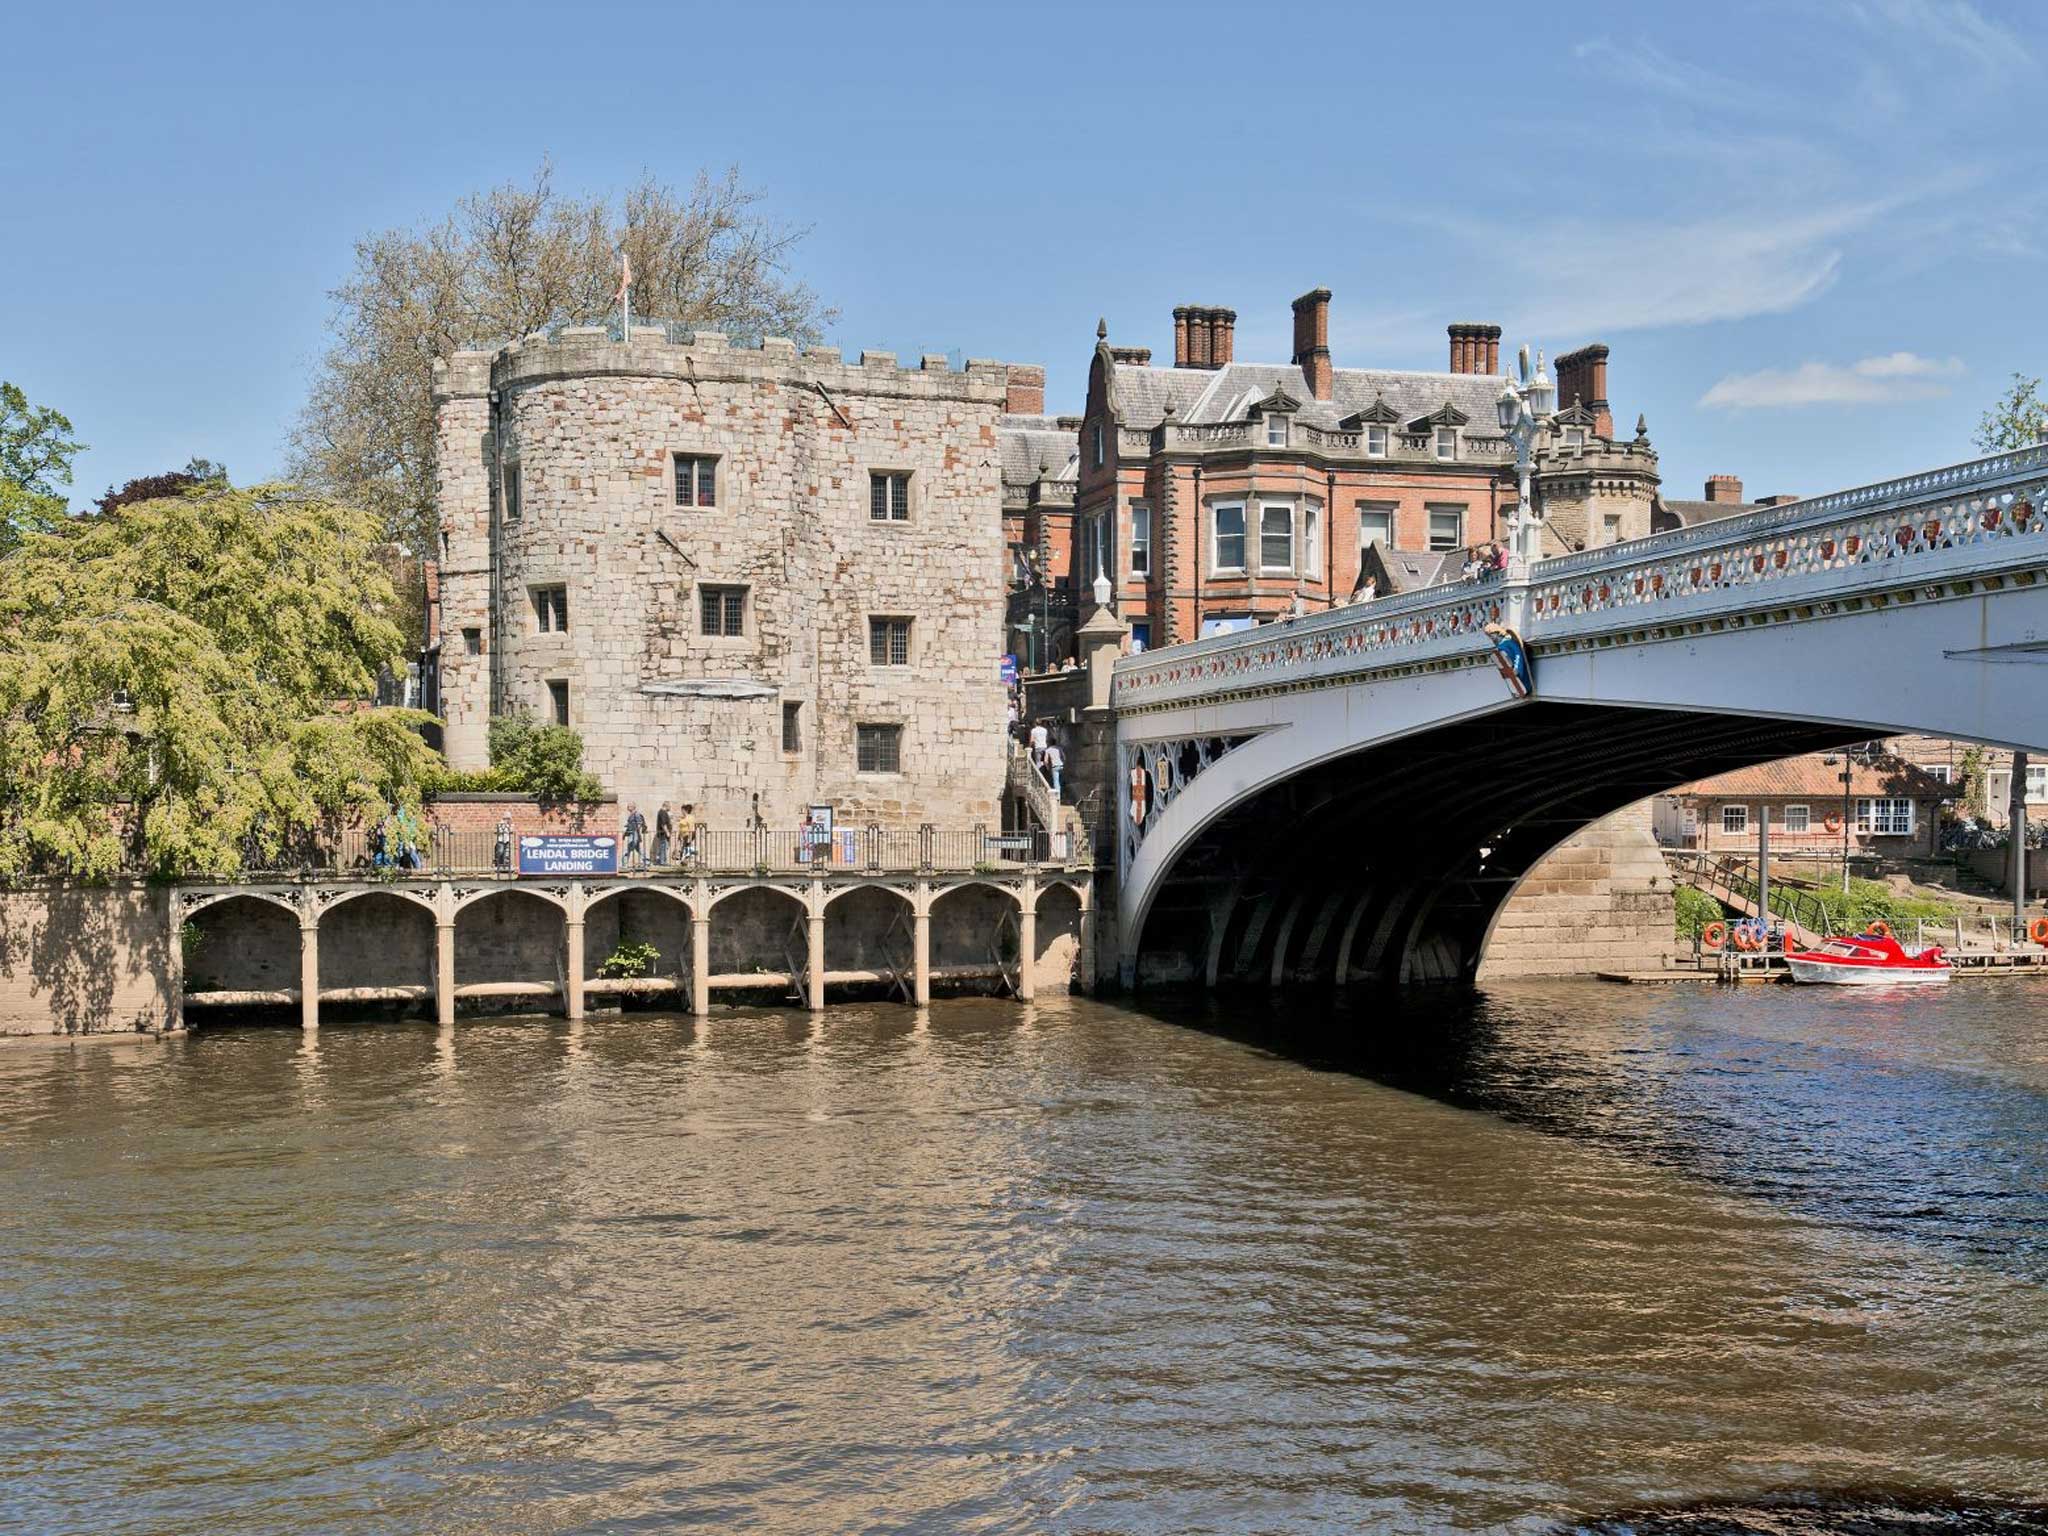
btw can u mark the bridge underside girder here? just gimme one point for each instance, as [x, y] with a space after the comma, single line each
[1392, 863]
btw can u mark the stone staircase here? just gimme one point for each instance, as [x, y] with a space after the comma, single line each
[1030, 786]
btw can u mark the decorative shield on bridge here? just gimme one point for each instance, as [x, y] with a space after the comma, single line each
[1512, 657]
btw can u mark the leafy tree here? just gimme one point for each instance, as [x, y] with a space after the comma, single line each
[545, 761]
[196, 475]
[36, 450]
[2016, 420]
[175, 686]
[505, 263]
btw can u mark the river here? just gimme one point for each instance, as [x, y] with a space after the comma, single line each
[1517, 1262]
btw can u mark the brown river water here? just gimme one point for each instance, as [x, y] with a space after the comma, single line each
[1547, 1258]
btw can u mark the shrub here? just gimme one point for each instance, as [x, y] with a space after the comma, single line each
[545, 761]
[1695, 909]
[629, 960]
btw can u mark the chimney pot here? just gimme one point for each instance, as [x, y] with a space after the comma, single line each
[1024, 390]
[1180, 336]
[1724, 488]
[1222, 337]
[1312, 342]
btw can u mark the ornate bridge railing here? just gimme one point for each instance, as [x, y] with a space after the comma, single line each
[1920, 533]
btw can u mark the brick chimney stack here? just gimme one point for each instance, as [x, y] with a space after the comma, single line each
[1582, 380]
[1024, 390]
[1203, 337]
[1475, 348]
[1312, 341]
[1724, 488]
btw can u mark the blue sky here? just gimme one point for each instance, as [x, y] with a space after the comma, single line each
[1812, 231]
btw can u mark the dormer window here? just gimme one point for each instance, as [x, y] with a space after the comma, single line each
[1276, 431]
[1446, 442]
[1575, 437]
[1375, 442]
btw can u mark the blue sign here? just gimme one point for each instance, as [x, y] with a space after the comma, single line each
[1009, 669]
[552, 855]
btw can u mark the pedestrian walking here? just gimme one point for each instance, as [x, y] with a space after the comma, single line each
[686, 833]
[664, 834]
[1041, 738]
[636, 838]
[1055, 760]
[501, 848]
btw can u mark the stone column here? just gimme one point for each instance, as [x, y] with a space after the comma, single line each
[444, 970]
[309, 972]
[174, 966]
[814, 962]
[700, 964]
[573, 1009]
[921, 945]
[1027, 941]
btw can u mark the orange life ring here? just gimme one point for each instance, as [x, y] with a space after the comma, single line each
[1743, 941]
[1715, 934]
[1878, 928]
[2037, 930]
[1833, 823]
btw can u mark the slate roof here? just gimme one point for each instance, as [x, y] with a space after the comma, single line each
[1207, 396]
[1408, 569]
[1813, 779]
[1690, 514]
[1027, 442]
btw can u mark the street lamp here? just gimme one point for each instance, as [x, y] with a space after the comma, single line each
[1525, 410]
[1864, 755]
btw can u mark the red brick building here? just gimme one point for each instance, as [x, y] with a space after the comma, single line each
[1216, 493]
[1894, 807]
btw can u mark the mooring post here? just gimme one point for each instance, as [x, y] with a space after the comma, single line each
[700, 957]
[814, 950]
[1027, 939]
[309, 972]
[921, 944]
[572, 979]
[444, 970]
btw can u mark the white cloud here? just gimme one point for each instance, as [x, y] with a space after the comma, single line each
[1953, 24]
[1882, 380]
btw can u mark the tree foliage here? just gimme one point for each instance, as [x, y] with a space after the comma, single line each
[175, 686]
[507, 262]
[545, 761]
[197, 474]
[2015, 420]
[36, 450]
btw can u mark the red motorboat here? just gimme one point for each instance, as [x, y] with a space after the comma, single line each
[1874, 959]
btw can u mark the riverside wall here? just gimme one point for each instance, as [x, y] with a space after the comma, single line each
[86, 960]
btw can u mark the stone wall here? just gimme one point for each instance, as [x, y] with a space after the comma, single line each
[84, 960]
[1600, 902]
[593, 428]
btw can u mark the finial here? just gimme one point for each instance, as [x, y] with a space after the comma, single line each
[1101, 581]
[1169, 408]
[1102, 330]
[1642, 428]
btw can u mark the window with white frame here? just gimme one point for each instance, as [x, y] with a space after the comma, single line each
[1276, 536]
[2037, 782]
[1446, 528]
[1941, 771]
[1447, 442]
[1375, 525]
[1798, 818]
[1885, 816]
[1734, 818]
[1311, 538]
[1375, 442]
[1276, 431]
[888, 497]
[1141, 539]
[1229, 549]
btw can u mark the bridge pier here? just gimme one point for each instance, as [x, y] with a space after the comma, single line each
[444, 970]
[814, 957]
[700, 958]
[1027, 941]
[572, 981]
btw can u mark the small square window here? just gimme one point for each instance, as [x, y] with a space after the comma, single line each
[1375, 526]
[558, 700]
[512, 498]
[889, 498]
[723, 611]
[472, 642]
[792, 726]
[1376, 442]
[1276, 431]
[1446, 529]
[696, 480]
[551, 609]
[878, 748]
[889, 642]
[1734, 818]
[1447, 442]
[1798, 818]
[1575, 437]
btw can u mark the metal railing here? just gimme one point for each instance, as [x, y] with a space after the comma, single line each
[1734, 880]
[367, 853]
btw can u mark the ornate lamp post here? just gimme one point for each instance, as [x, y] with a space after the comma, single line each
[1525, 410]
